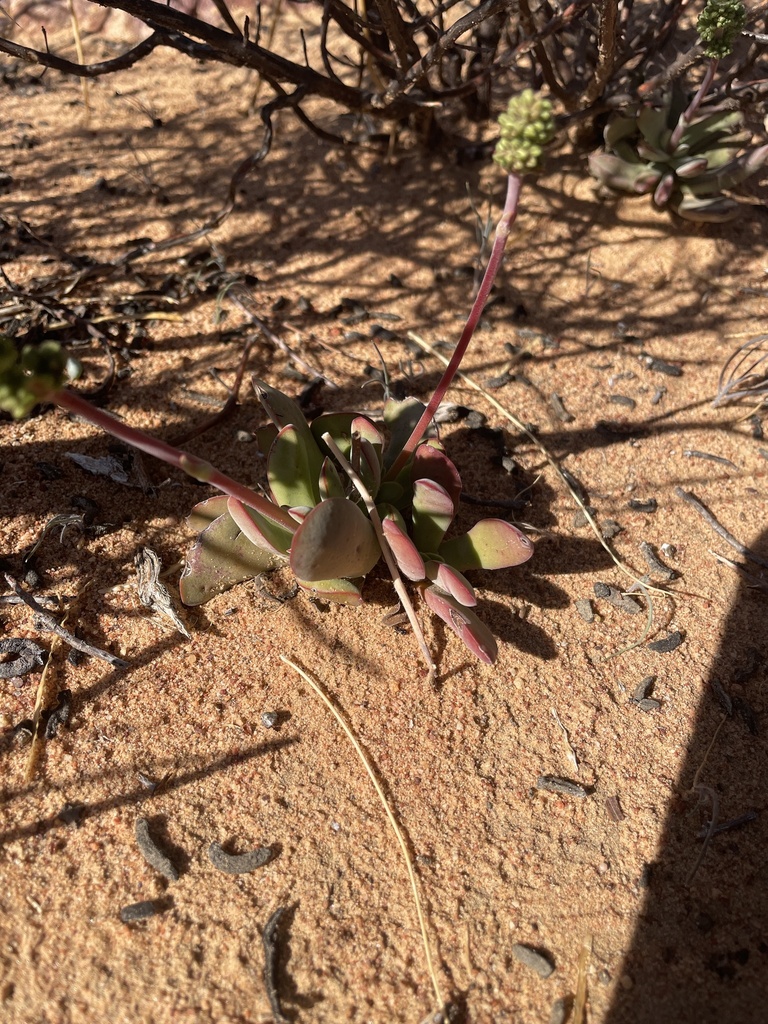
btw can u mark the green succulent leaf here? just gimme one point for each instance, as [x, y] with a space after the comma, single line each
[490, 544]
[400, 418]
[260, 531]
[293, 468]
[330, 483]
[618, 129]
[222, 555]
[338, 425]
[433, 511]
[31, 376]
[706, 210]
[464, 622]
[336, 540]
[340, 591]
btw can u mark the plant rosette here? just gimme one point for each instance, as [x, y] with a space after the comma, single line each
[332, 543]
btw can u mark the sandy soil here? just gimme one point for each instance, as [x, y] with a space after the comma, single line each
[590, 290]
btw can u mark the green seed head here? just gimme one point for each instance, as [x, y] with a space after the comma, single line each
[527, 127]
[28, 379]
[719, 24]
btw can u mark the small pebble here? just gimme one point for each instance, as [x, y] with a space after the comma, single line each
[152, 853]
[138, 911]
[584, 608]
[659, 366]
[580, 519]
[269, 719]
[238, 863]
[648, 704]
[244, 437]
[532, 958]
[615, 597]
[553, 784]
[560, 1011]
[644, 688]
[668, 644]
[609, 529]
[624, 400]
[643, 506]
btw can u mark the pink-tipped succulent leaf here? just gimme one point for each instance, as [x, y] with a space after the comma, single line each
[474, 633]
[490, 544]
[409, 561]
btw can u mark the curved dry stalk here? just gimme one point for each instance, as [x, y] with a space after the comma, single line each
[390, 815]
[397, 579]
[740, 378]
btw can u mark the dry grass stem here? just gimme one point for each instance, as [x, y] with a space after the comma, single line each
[390, 815]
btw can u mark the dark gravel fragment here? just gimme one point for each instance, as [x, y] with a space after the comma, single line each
[71, 814]
[659, 366]
[614, 597]
[152, 853]
[25, 656]
[554, 784]
[536, 960]
[648, 704]
[609, 528]
[559, 409]
[624, 400]
[561, 1010]
[379, 333]
[613, 806]
[59, 717]
[238, 863]
[667, 644]
[139, 911]
[637, 505]
[580, 518]
[644, 688]
[655, 563]
[493, 383]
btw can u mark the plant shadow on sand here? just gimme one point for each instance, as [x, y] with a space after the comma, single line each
[700, 949]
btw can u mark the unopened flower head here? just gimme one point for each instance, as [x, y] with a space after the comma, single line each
[527, 127]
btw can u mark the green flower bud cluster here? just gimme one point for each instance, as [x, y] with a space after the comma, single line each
[719, 24]
[28, 378]
[527, 126]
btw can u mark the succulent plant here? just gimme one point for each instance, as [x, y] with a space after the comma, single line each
[684, 165]
[333, 543]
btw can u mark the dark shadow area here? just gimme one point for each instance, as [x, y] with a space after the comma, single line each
[700, 951]
[138, 794]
